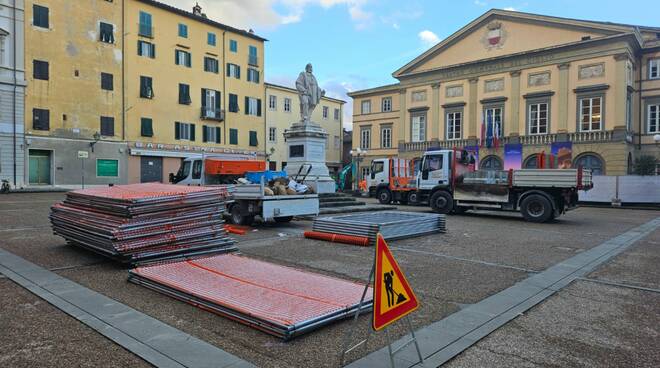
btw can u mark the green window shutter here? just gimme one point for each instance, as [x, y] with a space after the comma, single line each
[176, 57]
[192, 132]
[233, 136]
[259, 107]
[139, 44]
[247, 105]
[238, 71]
[228, 69]
[153, 51]
[217, 100]
[107, 168]
[253, 139]
[205, 134]
[217, 135]
[146, 127]
[177, 128]
[188, 59]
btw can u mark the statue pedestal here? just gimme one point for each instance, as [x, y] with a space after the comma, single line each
[305, 148]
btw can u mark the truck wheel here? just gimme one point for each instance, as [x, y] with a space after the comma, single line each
[413, 198]
[283, 219]
[536, 208]
[384, 196]
[442, 202]
[235, 215]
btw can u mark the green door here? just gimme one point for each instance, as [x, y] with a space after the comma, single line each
[39, 167]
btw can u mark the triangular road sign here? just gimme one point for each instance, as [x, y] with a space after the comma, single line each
[393, 296]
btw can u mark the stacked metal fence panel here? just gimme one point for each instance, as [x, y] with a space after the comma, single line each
[279, 300]
[391, 224]
[141, 222]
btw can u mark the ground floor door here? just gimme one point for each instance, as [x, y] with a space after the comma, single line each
[151, 169]
[39, 162]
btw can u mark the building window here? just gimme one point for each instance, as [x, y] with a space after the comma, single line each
[253, 139]
[233, 70]
[386, 137]
[493, 115]
[537, 117]
[252, 106]
[210, 134]
[40, 16]
[454, 121]
[653, 119]
[233, 45]
[107, 126]
[211, 65]
[365, 138]
[325, 112]
[107, 33]
[144, 26]
[40, 69]
[184, 131]
[233, 102]
[147, 49]
[386, 104]
[337, 114]
[252, 56]
[272, 134]
[183, 30]
[272, 102]
[337, 142]
[40, 119]
[491, 163]
[146, 127]
[629, 111]
[366, 107]
[210, 39]
[182, 58]
[531, 162]
[592, 162]
[233, 136]
[418, 128]
[654, 69]
[211, 104]
[107, 168]
[591, 114]
[253, 75]
[3, 49]
[184, 94]
[365, 172]
[146, 87]
[107, 81]
[287, 104]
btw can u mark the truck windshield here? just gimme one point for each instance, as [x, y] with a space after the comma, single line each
[432, 163]
[377, 166]
[183, 172]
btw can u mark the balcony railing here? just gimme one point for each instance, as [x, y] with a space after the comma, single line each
[426, 145]
[212, 114]
[598, 136]
[538, 139]
[145, 30]
[253, 60]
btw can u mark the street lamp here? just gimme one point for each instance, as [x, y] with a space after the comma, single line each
[97, 137]
[358, 155]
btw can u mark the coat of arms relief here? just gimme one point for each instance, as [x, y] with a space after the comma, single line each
[495, 36]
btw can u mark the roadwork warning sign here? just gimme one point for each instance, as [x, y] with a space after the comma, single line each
[393, 297]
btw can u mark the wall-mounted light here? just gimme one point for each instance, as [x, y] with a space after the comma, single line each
[97, 137]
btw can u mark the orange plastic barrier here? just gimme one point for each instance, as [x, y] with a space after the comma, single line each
[232, 167]
[233, 230]
[338, 238]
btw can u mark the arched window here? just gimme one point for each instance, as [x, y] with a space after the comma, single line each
[531, 162]
[491, 163]
[591, 161]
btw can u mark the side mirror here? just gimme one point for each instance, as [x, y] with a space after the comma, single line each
[373, 175]
[171, 177]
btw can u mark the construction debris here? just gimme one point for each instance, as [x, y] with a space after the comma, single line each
[145, 222]
[279, 300]
[391, 224]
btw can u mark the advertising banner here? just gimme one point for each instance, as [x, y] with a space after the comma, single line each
[512, 156]
[563, 151]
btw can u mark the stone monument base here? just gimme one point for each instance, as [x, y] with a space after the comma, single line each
[306, 155]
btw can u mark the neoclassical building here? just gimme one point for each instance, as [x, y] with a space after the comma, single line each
[516, 85]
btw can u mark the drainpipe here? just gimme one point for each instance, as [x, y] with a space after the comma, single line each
[13, 98]
[123, 72]
[224, 88]
[640, 107]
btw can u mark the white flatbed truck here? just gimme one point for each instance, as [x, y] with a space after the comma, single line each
[248, 199]
[448, 182]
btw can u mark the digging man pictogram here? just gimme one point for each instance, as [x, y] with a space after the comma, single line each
[388, 279]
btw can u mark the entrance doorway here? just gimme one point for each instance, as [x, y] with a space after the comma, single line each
[151, 169]
[39, 164]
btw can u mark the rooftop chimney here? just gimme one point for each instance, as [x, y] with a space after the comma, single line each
[197, 10]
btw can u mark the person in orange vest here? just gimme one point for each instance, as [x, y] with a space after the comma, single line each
[362, 185]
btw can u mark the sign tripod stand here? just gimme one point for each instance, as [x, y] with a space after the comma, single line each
[386, 308]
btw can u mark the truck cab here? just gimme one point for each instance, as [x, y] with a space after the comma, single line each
[435, 170]
[190, 172]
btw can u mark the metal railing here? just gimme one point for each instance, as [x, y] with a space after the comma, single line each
[426, 145]
[212, 114]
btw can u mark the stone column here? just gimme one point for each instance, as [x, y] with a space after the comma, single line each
[514, 120]
[562, 99]
[402, 115]
[435, 108]
[620, 94]
[473, 133]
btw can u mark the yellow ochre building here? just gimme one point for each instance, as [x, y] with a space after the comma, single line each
[122, 90]
[540, 83]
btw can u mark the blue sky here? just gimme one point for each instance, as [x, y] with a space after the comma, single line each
[356, 44]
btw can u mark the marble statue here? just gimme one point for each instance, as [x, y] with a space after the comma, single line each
[309, 93]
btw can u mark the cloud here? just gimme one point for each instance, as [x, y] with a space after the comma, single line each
[394, 19]
[480, 3]
[428, 38]
[510, 8]
[272, 13]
